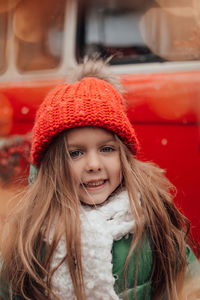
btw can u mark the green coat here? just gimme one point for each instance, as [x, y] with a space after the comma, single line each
[119, 253]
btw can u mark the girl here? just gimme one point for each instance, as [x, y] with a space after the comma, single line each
[96, 223]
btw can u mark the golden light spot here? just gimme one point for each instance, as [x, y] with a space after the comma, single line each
[6, 115]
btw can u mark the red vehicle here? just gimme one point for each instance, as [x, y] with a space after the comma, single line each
[155, 48]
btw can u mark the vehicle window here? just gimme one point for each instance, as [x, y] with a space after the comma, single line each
[38, 29]
[3, 32]
[139, 31]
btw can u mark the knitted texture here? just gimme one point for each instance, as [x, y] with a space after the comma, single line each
[89, 102]
[100, 226]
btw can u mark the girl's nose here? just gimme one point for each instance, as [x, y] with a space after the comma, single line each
[93, 163]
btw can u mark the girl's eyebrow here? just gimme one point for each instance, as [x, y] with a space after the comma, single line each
[75, 145]
[78, 145]
[107, 141]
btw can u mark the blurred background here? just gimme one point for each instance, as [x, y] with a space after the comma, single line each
[155, 49]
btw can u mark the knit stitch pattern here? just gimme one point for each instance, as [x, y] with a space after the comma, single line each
[89, 102]
[100, 226]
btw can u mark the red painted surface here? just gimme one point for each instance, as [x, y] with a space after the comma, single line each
[25, 98]
[165, 111]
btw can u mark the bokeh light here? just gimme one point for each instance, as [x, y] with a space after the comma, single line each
[6, 115]
[172, 32]
[6, 5]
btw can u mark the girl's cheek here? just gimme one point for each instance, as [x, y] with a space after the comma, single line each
[73, 169]
[77, 170]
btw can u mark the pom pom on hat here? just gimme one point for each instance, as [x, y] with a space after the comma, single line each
[89, 102]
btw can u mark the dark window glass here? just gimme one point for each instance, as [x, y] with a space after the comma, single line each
[139, 31]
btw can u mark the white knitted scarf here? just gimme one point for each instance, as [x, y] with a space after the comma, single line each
[100, 226]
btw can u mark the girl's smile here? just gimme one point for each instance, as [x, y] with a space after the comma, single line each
[94, 184]
[95, 162]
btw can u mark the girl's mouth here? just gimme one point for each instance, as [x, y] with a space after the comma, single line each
[94, 183]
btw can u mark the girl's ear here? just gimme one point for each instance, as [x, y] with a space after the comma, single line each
[32, 174]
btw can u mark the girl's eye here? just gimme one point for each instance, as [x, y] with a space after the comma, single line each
[75, 153]
[107, 149]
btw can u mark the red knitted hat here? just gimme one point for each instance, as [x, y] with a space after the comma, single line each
[89, 102]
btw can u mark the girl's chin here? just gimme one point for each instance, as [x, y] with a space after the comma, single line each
[93, 202]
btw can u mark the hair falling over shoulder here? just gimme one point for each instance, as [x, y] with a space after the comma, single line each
[151, 203]
[49, 204]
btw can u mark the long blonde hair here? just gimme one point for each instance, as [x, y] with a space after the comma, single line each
[157, 218]
[52, 201]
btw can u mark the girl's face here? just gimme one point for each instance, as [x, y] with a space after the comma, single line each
[95, 163]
